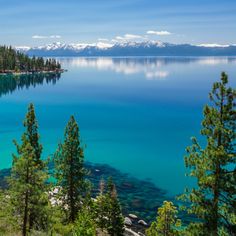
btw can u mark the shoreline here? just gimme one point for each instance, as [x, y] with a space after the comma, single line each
[142, 202]
[14, 73]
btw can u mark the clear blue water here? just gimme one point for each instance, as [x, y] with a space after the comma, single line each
[135, 114]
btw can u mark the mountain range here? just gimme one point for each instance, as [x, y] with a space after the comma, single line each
[149, 48]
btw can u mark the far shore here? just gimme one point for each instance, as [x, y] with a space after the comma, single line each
[8, 72]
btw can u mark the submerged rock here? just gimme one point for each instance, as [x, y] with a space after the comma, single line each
[130, 232]
[128, 221]
[133, 216]
[142, 222]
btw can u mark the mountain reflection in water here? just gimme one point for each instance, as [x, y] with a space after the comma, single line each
[151, 67]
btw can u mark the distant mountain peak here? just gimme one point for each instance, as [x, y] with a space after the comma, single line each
[214, 45]
[128, 48]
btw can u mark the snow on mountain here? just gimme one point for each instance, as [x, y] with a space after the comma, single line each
[126, 48]
[214, 45]
[22, 48]
[72, 46]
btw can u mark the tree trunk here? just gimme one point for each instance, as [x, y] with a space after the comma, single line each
[25, 220]
[71, 194]
[217, 175]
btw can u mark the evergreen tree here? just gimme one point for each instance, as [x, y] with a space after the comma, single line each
[108, 210]
[27, 185]
[115, 218]
[166, 223]
[28, 178]
[101, 207]
[84, 224]
[32, 135]
[8, 222]
[31, 125]
[213, 201]
[69, 170]
[13, 61]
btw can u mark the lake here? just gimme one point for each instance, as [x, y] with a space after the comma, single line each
[135, 114]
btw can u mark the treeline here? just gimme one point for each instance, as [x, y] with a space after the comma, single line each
[33, 205]
[15, 61]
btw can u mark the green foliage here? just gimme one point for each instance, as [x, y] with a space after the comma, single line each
[214, 167]
[8, 223]
[27, 182]
[166, 223]
[14, 61]
[32, 135]
[108, 210]
[70, 172]
[84, 224]
[26, 189]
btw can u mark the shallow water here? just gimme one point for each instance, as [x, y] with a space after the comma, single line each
[135, 114]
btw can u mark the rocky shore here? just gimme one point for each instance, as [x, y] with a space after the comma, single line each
[139, 205]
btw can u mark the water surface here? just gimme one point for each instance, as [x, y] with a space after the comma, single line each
[135, 114]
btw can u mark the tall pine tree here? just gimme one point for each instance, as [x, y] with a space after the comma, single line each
[70, 171]
[115, 217]
[31, 125]
[27, 189]
[28, 178]
[213, 201]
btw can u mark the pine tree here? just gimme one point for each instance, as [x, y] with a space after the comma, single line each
[32, 135]
[166, 223]
[70, 171]
[28, 177]
[27, 183]
[213, 201]
[108, 210]
[12, 61]
[115, 218]
[84, 224]
[31, 125]
[101, 207]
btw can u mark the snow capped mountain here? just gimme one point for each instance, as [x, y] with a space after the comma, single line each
[145, 48]
[214, 45]
[22, 48]
[73, 46]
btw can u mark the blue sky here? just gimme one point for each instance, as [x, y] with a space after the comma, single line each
[31, 22]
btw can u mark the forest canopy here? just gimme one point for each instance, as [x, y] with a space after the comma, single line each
[12, 61]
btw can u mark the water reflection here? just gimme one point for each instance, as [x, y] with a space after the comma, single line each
[10, 83]
[150, 67]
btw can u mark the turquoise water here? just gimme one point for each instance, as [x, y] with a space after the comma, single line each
[135, 114]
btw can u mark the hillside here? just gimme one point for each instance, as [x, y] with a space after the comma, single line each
[13, 61]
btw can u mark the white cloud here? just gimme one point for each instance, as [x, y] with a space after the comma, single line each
[120, 38]
[128, 37]
[38, 37]
[132, 36]
[46, 37]
[103, 39]
[159, 33]
[55, 36]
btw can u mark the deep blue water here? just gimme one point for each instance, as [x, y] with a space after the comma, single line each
[135, 114]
